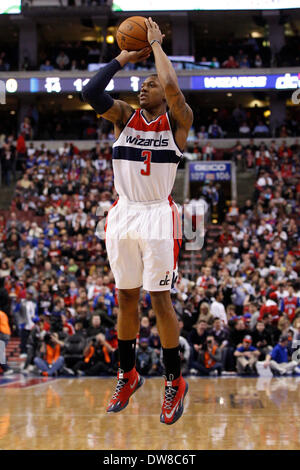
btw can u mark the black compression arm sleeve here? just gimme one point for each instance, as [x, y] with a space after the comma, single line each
[94, 94]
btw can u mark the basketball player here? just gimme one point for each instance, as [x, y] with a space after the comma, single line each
[146, 154]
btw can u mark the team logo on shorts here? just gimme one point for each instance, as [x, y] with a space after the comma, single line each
[166, 280]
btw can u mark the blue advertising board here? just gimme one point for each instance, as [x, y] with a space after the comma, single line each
[210, 171]
[214, 82]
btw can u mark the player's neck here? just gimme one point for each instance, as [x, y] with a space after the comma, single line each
[152, 114]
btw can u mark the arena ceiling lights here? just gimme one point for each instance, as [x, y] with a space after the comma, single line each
[212, 5]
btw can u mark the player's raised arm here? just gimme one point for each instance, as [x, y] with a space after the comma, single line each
[116, 111]
[179, 109]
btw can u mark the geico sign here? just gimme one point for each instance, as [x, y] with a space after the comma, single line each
[213, 167]
[255, 81]
[287, 81]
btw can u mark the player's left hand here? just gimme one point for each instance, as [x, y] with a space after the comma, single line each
[153, 31]
[134, 56]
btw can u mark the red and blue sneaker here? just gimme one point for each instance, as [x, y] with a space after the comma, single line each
[175, 392]
[128, 383]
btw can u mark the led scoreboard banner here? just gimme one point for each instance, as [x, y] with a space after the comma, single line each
[212, 5]
[10, 7]
[54, 85]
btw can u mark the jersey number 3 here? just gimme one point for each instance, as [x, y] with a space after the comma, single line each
[147, 162]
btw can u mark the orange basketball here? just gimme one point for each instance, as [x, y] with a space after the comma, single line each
[132, 34]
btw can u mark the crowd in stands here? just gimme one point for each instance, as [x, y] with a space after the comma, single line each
[243, 122]
[233, 121]
[241, 310]
[231, 53]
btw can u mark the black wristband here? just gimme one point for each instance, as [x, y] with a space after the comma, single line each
[153, 41]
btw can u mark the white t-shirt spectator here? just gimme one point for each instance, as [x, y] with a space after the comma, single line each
[263, 272]
[232, 249]
[262, 227]
[244, 129]
[217, 310]
[264, 181]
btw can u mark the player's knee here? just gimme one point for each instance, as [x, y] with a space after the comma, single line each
[128, 295]
[161, 302]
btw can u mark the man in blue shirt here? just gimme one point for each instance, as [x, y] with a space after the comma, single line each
[247, 356]
[278, 360]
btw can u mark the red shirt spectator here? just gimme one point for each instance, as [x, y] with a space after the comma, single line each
[230, 63]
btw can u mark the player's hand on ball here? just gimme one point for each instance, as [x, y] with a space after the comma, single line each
[153, 31]
[135, 56]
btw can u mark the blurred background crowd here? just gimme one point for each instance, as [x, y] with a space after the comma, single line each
[240, 308]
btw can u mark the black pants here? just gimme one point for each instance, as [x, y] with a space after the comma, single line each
[31, 353]
[204, 370]
[92, 369]
[24, 334]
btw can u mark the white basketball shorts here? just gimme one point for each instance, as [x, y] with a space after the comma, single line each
[143, 242]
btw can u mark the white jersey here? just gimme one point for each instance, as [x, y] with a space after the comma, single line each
[145, 159]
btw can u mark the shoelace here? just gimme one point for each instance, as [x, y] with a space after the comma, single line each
[119, 387]
[170, 394]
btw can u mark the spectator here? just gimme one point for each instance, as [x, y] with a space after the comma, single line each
[97, 358]
[26, 128]
[145, 328]
[206, 279]
[261, 130]
[62, 61]
[258, 61]
[49, 359]
[5, 333]
[215, 64]
[95, 327]
[208, 150]
[147, 362]
[247, 356]
[46, 66]
[215, 131]
[230, 63]
[197, 337]
[154, 341]
[244, 63]
[27, 312]
[289, 304]
[74, 65]
[244, 130]
[205, 314]
[217, 308]
[220, 333]
[209, 359]
[4, 297]
[34, 344]
[261, 340]
[237, 333]
[279, 361]
[74, 346]
[7, 159]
